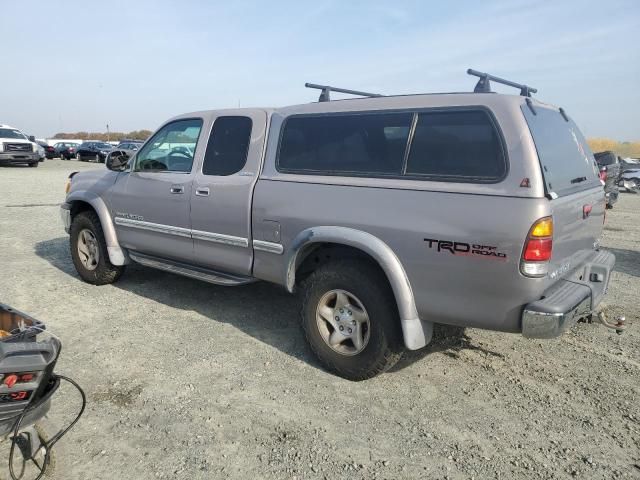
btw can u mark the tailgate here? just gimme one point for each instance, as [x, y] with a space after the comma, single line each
[577, 225]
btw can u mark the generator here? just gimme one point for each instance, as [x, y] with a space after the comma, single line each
[27, 385]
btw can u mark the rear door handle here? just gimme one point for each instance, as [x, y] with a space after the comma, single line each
[177, 189]
[202, 191]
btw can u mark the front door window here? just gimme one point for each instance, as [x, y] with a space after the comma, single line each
[172, 148]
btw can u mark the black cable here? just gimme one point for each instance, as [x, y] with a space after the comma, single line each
[48, 445]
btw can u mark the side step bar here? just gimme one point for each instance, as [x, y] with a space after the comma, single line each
[199, 273]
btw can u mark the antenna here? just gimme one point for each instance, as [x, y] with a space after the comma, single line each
[325, 94]
[484, 85]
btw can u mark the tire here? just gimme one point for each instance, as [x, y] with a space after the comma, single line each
[34, 165]
[79, 157]
[362, 283]
[97, 158]
[103, 271]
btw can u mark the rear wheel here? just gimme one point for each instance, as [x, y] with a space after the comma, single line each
[89, 250]
[34, 164]
[350, 319]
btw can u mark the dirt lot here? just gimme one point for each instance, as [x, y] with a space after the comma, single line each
[187, 380]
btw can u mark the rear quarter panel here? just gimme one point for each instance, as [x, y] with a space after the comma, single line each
[462, 288]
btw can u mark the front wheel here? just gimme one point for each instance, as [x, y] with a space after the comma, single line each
[89, 250]
[350, 319]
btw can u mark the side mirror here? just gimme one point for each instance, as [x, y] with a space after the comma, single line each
[117, 161]
[32, 138]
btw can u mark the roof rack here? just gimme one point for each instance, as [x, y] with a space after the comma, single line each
[483, 85]
[326, 92]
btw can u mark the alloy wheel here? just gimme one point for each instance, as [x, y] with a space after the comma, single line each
[88, 249]
[343, 322]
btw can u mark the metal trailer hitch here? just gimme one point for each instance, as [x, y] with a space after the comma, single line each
[620, 322]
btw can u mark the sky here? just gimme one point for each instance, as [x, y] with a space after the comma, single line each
[77, 65]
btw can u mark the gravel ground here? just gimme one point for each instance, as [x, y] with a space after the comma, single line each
[187, 380]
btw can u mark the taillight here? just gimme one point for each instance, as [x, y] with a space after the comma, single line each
[537, 249]
[603, 174]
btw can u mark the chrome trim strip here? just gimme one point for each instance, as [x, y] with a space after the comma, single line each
[269, 247]
[153, 227]
[220, 238]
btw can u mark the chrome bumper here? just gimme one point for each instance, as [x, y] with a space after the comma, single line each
[65, 216]
[537, 324]
[567, 301]
[19, 157]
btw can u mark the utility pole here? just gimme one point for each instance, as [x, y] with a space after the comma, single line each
[108, 136]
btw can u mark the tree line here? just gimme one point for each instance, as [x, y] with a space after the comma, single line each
[624, 149]
[104, 137]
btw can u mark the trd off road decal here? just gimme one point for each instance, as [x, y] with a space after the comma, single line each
[465, 249]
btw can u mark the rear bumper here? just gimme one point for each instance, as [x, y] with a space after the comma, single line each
[567, 301]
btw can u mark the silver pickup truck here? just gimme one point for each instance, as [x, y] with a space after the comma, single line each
[387, 213]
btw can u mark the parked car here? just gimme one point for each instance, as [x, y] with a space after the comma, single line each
[93, 151]
[48, 150]
[129, 147]
[609, 174]
[630, 177]
[17, 148]
[388, 214]
[66, 150]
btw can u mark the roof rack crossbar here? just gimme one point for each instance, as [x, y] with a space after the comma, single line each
[484, 85]
[325, 94]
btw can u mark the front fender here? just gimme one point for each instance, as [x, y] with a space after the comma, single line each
[117, 255]
[416, 333]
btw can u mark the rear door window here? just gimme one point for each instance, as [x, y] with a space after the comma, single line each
[568, 166]
[345, 144]
[460, 146]
[228, 146]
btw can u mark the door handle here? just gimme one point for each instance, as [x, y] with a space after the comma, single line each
[177, 189]
[202, 191]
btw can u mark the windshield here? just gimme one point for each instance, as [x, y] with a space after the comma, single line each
[11, 133]
[103, 145]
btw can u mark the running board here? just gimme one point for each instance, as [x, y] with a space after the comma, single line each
[199, 273]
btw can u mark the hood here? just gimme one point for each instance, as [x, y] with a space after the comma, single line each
[16, 140]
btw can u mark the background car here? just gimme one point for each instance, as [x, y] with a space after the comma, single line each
[630, 176]
[610, 174]
[93, 151]
[129, 146]
[66, 150]
[49, 151]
